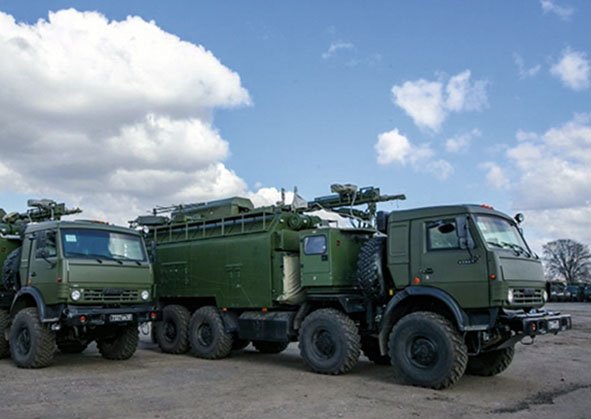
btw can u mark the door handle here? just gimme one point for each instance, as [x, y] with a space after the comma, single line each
[33, 273]
[427, 271]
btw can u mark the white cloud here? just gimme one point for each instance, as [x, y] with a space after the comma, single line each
[554, 172]
[461, 142]
[422, 100]
[563, 12]
[495, 175]
[112, 115]
[335, 47]
[427, 104]
[394, 147]
[548, 176]
[522, 135]
[573, 69]
[525, 72]
[462, 95]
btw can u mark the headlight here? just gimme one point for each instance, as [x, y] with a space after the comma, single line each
[75, 295]
[145, 294]
[545, 296]
[510, 296]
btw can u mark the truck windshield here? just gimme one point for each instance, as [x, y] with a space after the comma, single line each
[501, 234]
[102, 244]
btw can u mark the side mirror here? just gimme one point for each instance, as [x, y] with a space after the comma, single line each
[464, 237]
[446, 228]
[519, 217]
[42, 253]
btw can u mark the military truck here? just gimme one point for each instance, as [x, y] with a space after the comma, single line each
[67, 283]
[434, 292]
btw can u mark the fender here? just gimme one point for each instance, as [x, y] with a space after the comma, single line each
[460, 317]
[33, 293]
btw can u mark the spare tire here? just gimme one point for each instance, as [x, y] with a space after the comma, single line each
[10, 268]
[370, 276]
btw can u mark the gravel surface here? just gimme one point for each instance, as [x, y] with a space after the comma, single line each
[550, 379]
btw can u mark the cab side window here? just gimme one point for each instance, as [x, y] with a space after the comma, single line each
[442, 235]
[315, 245]
[46, 245]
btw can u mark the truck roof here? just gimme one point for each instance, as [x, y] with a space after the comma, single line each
[44, 225]
[438, 211]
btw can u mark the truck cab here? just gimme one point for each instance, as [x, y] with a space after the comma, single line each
[69, 283]
[475, 254]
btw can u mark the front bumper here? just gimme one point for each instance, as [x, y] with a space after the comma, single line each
[100, 316]
[539, 322]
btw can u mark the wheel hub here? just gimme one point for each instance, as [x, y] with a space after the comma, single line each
[324, 344]
[23, 341]
[205, 335]
[423, 352]
[170, 331]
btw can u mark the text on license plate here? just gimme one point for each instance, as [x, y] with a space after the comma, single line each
[554, 324]
[120, 317]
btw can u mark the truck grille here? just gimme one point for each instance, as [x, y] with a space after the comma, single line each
[110, 295]
[528, 296]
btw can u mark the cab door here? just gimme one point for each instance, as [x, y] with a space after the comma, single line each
[439, 261]
[315, 260]
[42, 269]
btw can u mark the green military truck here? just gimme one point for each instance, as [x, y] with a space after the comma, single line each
[434, 292]
[67, 283]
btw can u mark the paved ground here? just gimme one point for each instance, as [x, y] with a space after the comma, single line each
[551, 379]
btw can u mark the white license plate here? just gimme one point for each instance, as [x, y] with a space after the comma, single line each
[121, 317]
[554, 324]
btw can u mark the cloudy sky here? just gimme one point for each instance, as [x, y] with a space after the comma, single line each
[121, 106]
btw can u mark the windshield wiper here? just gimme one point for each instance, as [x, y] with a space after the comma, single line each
[495, 244]
[517, 249]
[96, 256]
[123, 257]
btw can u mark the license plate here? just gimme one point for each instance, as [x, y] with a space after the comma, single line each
[121, 317]
[554, 324]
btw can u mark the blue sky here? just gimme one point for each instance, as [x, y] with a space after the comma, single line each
[321, 79]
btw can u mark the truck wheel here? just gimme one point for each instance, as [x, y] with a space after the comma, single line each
[172, 332]
[72, 346]
[207, 335]
[370, 276]
[4, 324]
[371, 349]
[490, 363]
[121, 346]
[10, 270]
[427, 351]
[31, 344]
[329, 342]
[267, 347]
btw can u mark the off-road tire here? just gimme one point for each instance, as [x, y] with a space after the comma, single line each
[172, 332]
[208, 336]
[371, 349]
[267, 347]
[32, 345]
[4, 324]
[10, 270]
[122, 346]
[427, 351]
[370, 276]
[239, 344]
[490, 363]
[329, 342]
[72, 346]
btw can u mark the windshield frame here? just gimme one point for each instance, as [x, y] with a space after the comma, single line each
[521, 247]
[119, 258]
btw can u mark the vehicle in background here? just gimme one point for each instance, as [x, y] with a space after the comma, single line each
[67, 283]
